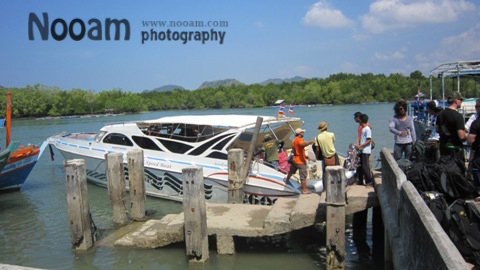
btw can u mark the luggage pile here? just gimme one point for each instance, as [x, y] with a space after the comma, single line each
[446, 189]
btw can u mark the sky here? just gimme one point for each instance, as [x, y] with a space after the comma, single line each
[264, 39]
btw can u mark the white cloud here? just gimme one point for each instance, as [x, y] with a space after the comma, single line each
[397, 55]
[466, 44]
[394, 14]
[323, 15]
[462, 47]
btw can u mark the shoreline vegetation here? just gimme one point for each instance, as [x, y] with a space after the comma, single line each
[40, 101]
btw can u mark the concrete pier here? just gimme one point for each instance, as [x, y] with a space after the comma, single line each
[229, 220]
[416, 239]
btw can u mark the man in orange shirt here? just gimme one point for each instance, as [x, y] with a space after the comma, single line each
[300, 159]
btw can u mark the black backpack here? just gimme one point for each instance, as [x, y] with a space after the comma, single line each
[418, 151]
[437, 204]
[464, 229]
[419, 175]
[448, 176]
[404, 164]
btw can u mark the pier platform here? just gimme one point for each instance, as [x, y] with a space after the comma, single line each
[229, 220]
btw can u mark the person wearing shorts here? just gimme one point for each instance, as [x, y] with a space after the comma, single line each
[300, 159]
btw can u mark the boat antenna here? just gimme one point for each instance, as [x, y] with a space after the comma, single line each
[9, 116]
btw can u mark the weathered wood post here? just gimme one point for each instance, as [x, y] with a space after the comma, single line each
[116, 187]
[136, 179]
[251, 149]
[78, 209]
[194, 209]
[235, 175]
[335, 181]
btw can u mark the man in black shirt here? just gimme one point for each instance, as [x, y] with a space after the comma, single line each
[451, 127]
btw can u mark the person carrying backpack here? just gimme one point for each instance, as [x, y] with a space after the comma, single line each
[324, 144]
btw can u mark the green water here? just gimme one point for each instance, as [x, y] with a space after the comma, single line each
[33, 222]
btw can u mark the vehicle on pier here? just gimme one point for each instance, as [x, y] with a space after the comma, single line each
[172, 143]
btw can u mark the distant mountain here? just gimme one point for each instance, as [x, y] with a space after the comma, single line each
[274, 81]
[215, 84]
[168, 87]
[279, 81]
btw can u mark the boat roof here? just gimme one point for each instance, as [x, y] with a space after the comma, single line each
[228, 120]
[457, 69]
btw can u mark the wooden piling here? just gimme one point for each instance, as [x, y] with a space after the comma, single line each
[116, 187]
[136, 179]
[235, 175]
[335, 185]
[195, 215]
[251, 148]
[79, 217]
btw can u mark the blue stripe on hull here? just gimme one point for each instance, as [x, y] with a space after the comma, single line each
[15, 178]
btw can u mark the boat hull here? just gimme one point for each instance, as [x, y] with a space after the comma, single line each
[14, 174]
[167, 184]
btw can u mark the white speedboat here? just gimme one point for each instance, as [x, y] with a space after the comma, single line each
[170, 144]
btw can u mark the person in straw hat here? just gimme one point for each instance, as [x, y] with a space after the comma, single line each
[324, 145]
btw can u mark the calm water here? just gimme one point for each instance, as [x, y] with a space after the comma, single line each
[33, 222]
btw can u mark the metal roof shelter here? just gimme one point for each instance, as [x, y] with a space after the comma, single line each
[465, 69]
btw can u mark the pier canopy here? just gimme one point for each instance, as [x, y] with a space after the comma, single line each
[457, 69]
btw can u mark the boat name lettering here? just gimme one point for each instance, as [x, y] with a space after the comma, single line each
[157, 164]
[163, 165]
[221, 164]
[151, 164]
[18, 164]
[119, 148]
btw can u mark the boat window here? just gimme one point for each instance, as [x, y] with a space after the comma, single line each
[117, 138]
[206, 130]
[164, 130]
[146, 143]
[99, 136]
[202, 148]
[175, 147]
[219, 129]
[222, 144]
[183, 132]
[178, 131]
[218, 155]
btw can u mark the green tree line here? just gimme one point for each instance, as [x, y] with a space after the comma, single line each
[342, 88]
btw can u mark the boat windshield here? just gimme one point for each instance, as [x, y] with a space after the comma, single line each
[278, 131]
